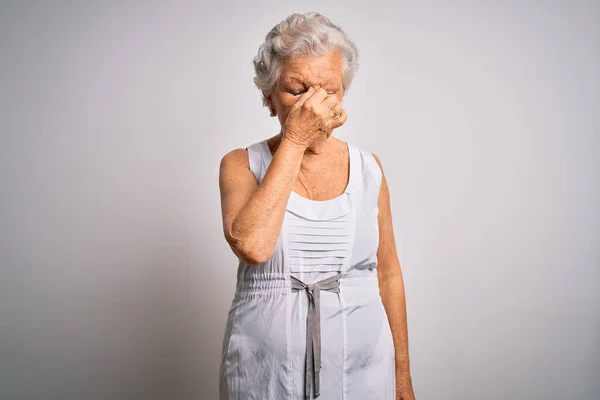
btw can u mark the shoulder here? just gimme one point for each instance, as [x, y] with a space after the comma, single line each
[242, 155]
[242, 160]
[234, 158]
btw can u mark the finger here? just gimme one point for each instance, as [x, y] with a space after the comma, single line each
[329, 107]
[340, 120]
[336, 111]
[330, 102]
[334, 123]
[318, 96]
[305, 96]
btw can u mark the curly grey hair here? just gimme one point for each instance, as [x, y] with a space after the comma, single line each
[309, 34]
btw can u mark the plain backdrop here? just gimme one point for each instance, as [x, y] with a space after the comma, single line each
[115, 278]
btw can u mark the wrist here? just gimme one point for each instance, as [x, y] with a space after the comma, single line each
[290, 143]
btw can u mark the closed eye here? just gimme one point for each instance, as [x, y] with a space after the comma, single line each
[297, 93]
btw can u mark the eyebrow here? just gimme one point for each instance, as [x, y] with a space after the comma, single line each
[329, 82]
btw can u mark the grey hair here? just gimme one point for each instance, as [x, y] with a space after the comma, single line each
[309, 34]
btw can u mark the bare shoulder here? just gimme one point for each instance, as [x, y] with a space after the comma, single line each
[235, 173]
[236, 157]
[235, 162]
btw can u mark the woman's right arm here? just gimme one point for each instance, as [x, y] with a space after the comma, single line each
[253, 213]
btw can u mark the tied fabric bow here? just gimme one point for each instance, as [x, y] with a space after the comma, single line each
[313, 326]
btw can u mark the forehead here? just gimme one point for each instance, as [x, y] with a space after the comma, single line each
[313, 70]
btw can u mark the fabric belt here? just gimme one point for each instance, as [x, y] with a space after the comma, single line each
[313, 326]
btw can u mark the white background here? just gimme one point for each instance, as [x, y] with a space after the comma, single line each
[115, 275]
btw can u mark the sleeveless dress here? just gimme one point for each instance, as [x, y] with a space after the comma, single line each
[309, 323]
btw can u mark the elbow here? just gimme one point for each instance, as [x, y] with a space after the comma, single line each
[254, 258]
[251, 254]
[248, 249]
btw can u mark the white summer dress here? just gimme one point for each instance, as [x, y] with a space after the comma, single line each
[309, 323]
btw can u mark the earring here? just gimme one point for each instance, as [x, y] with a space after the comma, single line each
[272, 111]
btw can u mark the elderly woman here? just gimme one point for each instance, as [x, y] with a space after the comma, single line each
[319, 307]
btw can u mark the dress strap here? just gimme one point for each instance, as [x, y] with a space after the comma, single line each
[371, 168]
[256, 161]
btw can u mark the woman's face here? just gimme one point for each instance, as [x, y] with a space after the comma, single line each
[300, 73]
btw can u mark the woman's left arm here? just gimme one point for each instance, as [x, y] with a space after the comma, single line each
[391, 286]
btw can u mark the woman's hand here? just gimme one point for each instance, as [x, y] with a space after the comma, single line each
[311, 117]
